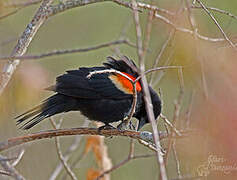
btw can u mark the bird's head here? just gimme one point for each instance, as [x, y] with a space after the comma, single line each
[156, 102]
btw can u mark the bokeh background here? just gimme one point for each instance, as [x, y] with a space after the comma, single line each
[208, 106]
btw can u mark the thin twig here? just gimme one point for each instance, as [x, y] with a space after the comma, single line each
[17, 6]
[60, 154]
[151, 146]
[23, 43]
[18, 159]
[176, 114]
[217, 24]
[69, 51]
[148, 31]
[58, 8]
[4, 173]
[158, 69]
[73, 147]
[216, 10]
[147, 97]
[129, 158]
[164, 46]
[176, 160]
[10, 169]
[170, 124]
[185, 30]
[12, 142]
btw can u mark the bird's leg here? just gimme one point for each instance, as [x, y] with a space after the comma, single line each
[126, 124]
[123, 125]
[131, 126]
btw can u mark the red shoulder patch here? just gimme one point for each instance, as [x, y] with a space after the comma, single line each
[123, 84]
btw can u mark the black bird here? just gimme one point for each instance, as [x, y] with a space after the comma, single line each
[105, 97]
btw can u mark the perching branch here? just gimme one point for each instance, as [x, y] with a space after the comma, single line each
[143, 135]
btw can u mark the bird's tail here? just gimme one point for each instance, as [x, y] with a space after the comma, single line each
[51, 106]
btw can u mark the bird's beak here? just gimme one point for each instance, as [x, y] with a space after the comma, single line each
[141, 123]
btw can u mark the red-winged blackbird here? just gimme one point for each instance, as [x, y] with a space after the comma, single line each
[103, 97]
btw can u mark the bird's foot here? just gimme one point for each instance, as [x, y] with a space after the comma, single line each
[131, 126]
[125, 125]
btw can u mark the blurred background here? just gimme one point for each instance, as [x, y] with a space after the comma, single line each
[208, 102]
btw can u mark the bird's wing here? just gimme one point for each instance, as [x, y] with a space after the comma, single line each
[75, 83]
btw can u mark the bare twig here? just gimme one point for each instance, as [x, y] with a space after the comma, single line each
[55, 9]
[60, 154]
[68, 153]
[176, 113]
[148, 32]
[190, 178]
[147, 97]
[70, 51]
[154, 8]
[12, 142]
[4, 173]
[129, 158]
[10, 169]
[23, 43]
[19, 157]
[217, 24]
[18, 6]
[164, 46]
[158, 69]
[185, 30]
[216, 10]
[170, 124]
[176, 160]
[149, 145]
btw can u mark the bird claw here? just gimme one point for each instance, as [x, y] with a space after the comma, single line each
[124, 125]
